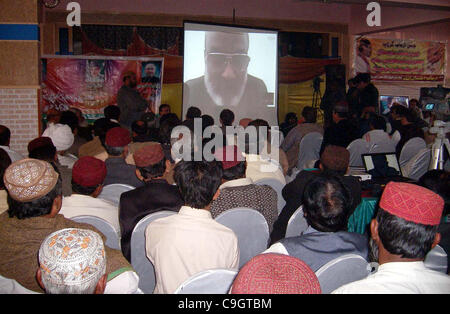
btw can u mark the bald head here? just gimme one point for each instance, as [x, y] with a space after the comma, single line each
[226, 42]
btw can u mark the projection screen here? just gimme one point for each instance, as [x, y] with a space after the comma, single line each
[232, 68]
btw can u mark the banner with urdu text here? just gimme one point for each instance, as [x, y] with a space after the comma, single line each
[91, 83]
[400, 60]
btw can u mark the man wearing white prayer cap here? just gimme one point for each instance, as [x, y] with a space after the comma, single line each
[72, 261]
[63, 138]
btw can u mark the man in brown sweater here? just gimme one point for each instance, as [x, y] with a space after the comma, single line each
[34, 201]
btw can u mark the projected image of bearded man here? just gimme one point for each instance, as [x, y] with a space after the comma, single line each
[226, 83]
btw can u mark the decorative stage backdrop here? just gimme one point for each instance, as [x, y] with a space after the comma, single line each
[91, 83]
[400, 60]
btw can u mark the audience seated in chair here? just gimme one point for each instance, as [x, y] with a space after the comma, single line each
[32, 216]
[264, 160]
[292, 140]
[88, 174]
[342, 130]
[334, 159]
[70, 118]
[191, 241]
[42, 148]
[72, 261]
[157, 194]
[5, 138]
[117, 170]
[272, 273]
[405, 209]
[238, 191]
[326, 204]
[63, 138]
[405, 125]
[377, 138]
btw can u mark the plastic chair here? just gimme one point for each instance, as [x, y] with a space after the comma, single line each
[278, 187]
[382, 147]
[112, 192]
[297, 224]
[211, 281]
[251, 229]
[111, 234]
[342, 270]
[418, 165]
[141, 264]
[356, 148]
[436, 259]
[410, 149]
[309, 149]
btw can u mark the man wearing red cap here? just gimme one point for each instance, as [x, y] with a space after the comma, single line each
[117, 170]
[153, 168]
[88, 174]
[237, 190]
[404, 231]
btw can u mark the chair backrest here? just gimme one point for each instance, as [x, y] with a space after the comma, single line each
[141, 264]
[211, 281]
[309, 149]
[410, 149]
[278, 187]
[382, 147]
[297, 224]
[436, 259]
[251, 229]
[111, 234]
[112, 192]
[356, 148]
[341, 271]
[418, 165]
[396, 136]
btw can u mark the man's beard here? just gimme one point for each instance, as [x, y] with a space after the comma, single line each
[225, 92]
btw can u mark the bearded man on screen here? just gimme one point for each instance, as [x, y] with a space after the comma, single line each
[226, 83]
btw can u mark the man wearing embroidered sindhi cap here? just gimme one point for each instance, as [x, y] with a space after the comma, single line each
[34, 201]
[404, 230]
[152, 168]
[88, 174]
[117, 170]
[272, 273]
[72, 261]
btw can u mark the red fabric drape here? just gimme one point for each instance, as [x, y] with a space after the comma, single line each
[291, 69]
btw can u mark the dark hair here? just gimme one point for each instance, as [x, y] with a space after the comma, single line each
[35, 208]
[404, 238]
[112, 112]
[327, 203]
[235, 172]
[193, 112]
[163, 106]
[377, 122]
[69, 118]
[5, 135]
[5, 161]
[84, 190]
[140, 129]
[207, 121]
[46, 152]
[310, 114]
[114, 151]
[250, 143]
[438, 181]
[153, 171]
[166, 126]
[227, 117]
[198, 181]
[363, 77]
[290, 116]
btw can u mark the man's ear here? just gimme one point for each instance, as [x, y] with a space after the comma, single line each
[56, 207]
[97, 191]
[437, 239]
[139, 175]
[101, 285]
[374, 230]
[168, 165]
[39, 278]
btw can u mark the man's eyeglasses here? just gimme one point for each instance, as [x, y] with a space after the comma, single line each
[218, 61]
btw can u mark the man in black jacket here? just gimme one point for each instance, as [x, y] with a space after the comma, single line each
[334, 159]
[152, 168]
